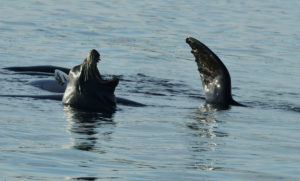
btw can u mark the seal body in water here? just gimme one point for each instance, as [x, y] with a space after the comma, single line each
[215, 77]
[59, 86]
[86, 89]
[38, 70]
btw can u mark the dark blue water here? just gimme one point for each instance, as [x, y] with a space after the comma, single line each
[174, 137]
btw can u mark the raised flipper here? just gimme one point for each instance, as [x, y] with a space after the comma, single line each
[42, 68]
[215, 77]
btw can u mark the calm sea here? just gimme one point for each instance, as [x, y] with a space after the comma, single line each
[143, 42]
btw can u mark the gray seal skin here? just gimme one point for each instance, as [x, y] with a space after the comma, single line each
[214, 75]
[87, 90]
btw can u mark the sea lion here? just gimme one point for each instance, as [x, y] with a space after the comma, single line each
[215, 77]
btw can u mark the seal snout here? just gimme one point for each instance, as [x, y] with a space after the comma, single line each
[191, 42]
[94, 53]
[187, 40]
[93, 56]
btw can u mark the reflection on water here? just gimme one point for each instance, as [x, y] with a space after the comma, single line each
[143, 41]
[204, 131]
[86, 128]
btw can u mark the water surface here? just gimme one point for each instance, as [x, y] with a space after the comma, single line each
[174, 137]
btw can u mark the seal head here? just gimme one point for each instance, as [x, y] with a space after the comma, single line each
[214, 75]
[86, 89]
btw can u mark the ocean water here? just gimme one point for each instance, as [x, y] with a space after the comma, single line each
[174, 137]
